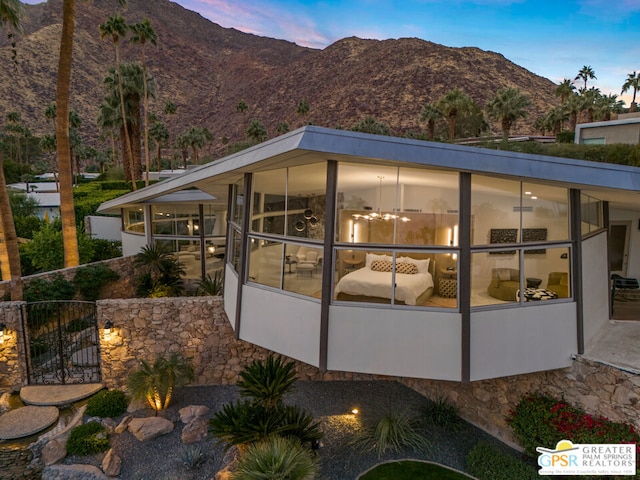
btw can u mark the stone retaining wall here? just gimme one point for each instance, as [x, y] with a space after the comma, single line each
[198, 328]
[121, 288]
[13, 370]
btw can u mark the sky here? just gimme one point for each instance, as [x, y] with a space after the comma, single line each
[554, 39]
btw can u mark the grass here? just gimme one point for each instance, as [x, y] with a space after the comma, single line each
[407, 470]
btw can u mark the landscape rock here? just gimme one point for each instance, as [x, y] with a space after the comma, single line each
[191, 412]
[195, 430]
[73, 472]
[124, 423]
[149, 428]
[109, 424]
[111, 464]
[54, 451]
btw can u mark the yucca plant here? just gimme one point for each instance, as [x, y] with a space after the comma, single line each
[276, 458]
[267, 381]
[393, 432]
[441, 412]
[155, 382]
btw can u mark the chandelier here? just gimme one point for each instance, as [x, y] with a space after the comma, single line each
[379, 215]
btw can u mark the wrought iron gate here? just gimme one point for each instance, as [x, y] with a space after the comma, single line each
[62, 342]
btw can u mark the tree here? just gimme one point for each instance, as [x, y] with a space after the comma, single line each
[591, 99]
[632, 83]
[369, 125]
[170, 110]
[143, 32]
[573, 106]
[303, 108]
[451, 104]
[431, 115]
[116, 28]
[507, 106]
[159, 133]
[242, 107]
[565, 89]
[256, 131]
[586, 73]
[10, 17]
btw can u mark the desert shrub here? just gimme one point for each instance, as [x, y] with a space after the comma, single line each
[105, 249]
[87, 439]
[46, 250]
[441, 412]
[393, 432]
[192, 457]
[488, 463]
[39, 289]
[540, 420]
[277, 458]
[266, 381]
[107, 403]
[211, 285]
[161, 275]
[89, 280]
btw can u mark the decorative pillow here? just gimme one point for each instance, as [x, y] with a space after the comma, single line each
[409, 268]
[381, 266]
[422, 265]
[371, 257]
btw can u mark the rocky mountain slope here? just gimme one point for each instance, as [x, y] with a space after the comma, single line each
[206, 70]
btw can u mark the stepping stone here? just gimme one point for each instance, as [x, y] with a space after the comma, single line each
[58, 394]
[25, 421]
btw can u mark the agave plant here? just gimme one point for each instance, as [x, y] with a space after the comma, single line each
[267, 381]
[277, 458]
[155, 382]
[211, 285]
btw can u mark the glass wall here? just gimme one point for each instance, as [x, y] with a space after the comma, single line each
[287, 225]
[134, 220]
[520, 237]
[592, 214]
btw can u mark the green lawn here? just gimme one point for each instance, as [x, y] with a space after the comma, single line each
[408, 470]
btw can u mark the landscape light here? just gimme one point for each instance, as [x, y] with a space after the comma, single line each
[107, 329]
[355, 410]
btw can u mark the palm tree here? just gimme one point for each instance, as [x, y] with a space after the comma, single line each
[256, 131]
[507, 106]
[116, 28]
[591, 99]
[605, 105]
[574, 106]
[565, 89]
[451, 104]
[11, 17]
[586, 73]
[431, 115]
[143, 32]
[303, 108]
[159, 133]
[632, 83]
[170, 110]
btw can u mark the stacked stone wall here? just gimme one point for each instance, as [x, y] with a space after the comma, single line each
[13, 361]
[122, 288]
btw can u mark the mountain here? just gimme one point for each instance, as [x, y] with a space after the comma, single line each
[206, 70]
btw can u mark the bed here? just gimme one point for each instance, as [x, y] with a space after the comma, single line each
[372, 283]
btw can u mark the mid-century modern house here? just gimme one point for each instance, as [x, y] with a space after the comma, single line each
[373, 254]
[624, 129]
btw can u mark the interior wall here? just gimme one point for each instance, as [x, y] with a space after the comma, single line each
[595, 285]
[633, 262]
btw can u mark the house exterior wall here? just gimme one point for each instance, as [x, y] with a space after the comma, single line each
[633, 261]
[595, 285]
[132, 243]
[617, 131]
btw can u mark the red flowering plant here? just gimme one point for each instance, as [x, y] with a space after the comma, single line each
[540, 420]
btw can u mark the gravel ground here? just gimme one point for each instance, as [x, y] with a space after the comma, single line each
[329, 402]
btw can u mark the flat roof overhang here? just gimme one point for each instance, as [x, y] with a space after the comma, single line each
[615, 183]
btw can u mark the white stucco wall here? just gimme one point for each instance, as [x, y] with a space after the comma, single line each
[132, 243]
[107, 228]
[407, 343]
[595, 285]
[230, 294]
[528, 339]
[283, 323]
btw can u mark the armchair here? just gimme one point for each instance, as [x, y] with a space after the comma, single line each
[505, 282]
[559, 282]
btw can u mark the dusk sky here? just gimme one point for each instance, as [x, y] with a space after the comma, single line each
[553, 39]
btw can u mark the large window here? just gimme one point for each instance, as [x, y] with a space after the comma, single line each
[134, 220]
[288, 224]
[592, 214]
[520, 238]
[396, 206]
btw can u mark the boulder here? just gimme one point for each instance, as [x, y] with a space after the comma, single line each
[191, 412]
[124, 423]
[195, 430]
[149, 428]
[109, 424]
[54, 451]
[111, 464]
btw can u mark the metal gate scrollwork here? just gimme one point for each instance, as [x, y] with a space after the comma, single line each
[62, 342]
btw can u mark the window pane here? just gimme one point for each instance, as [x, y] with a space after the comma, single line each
[235, 249]
[547, 273]
[591, 213]
[215, 251]
[366, 203]
[269, 195]
[265, 262]
[364, 276]
[134, 220]
[238, 205]
[163, 220]
[495, 277]
[545, 213]
[303, 270]
[495, 209]
[306, 201]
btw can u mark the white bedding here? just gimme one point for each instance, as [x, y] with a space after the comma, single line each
[365, 281]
